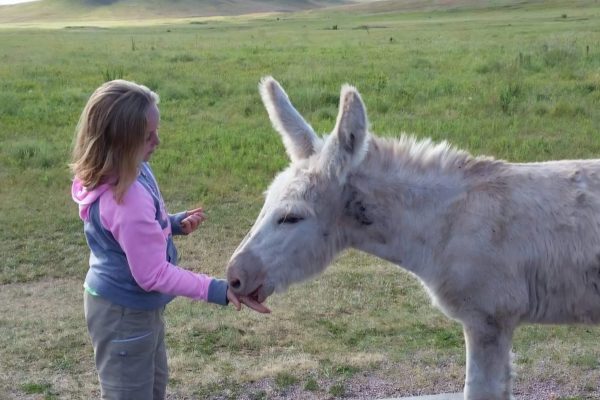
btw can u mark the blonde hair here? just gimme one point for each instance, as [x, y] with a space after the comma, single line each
[110, 135]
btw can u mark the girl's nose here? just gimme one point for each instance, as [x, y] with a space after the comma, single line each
[155, 140]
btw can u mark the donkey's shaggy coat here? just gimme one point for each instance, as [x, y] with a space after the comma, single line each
[496, 244]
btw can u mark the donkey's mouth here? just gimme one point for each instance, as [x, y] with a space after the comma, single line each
[254, 295]
[262, 292]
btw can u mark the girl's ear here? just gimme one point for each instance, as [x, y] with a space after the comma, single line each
[298, 136]
[347, 145]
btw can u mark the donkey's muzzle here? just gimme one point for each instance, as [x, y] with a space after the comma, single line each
[245, 273]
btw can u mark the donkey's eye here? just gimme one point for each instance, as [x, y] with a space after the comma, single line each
[289, 219]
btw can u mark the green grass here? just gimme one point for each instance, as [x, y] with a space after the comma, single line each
[337, 390]
[520, 83]
[285, 379]
[311, 385]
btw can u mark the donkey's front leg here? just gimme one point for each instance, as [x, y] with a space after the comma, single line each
[488, 343]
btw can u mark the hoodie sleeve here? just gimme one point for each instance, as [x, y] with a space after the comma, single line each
[144, 242]
[175, 220]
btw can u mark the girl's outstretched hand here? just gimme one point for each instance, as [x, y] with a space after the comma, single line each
[248, 301]
[193, 220]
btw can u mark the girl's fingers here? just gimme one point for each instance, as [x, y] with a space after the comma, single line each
[185, 225]
[234, 300]
[196, 218]
[197, 221]
[195, 211]
[192, 222]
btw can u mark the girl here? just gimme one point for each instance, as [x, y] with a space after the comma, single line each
[133, 272]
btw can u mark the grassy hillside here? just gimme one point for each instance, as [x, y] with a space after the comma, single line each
[520, 83]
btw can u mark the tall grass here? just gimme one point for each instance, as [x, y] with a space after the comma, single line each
[518, 83]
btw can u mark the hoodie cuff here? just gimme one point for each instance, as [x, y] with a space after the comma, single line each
[217, 292]
[176, 222]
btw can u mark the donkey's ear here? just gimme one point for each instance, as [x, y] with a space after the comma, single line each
[298, 136]
[347, 145]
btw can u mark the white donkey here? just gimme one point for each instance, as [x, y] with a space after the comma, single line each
[496, 244]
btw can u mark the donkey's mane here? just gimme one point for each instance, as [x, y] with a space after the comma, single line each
[413, 155]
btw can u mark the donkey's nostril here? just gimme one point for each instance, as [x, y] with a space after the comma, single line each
[235, 278]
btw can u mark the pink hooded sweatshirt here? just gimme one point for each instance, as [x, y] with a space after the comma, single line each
[133, 258]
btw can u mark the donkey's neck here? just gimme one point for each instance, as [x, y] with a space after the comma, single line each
[399, 202]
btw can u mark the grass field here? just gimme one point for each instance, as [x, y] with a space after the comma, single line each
[518, 82]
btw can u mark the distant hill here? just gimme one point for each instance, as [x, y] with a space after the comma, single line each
[83, 11]
[209, 7]
[61, 10]
[430, 5]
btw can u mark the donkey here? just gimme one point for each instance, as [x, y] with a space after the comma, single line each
[496, 244]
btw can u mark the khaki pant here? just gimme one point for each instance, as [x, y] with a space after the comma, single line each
[129, 349]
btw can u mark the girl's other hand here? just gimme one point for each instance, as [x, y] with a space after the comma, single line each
[248, 301]
[193, 220]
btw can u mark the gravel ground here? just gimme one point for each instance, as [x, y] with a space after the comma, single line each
[372, 387]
